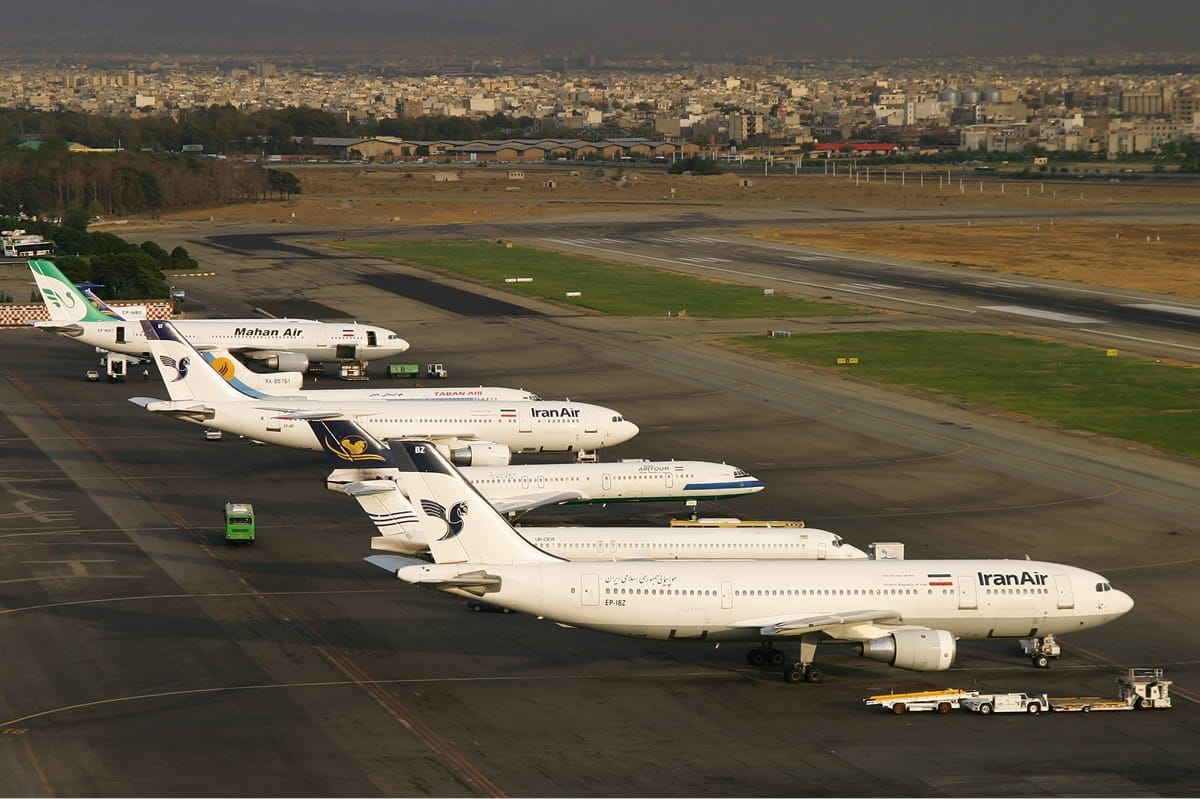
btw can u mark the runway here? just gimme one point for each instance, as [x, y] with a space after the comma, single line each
[143, 657]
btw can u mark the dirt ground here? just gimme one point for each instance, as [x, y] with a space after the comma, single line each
[1161, 258]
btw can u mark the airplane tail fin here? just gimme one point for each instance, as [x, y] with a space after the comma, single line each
[64, 302]
[186, 373]
[465, 526]
[459, 525]
[364, 469]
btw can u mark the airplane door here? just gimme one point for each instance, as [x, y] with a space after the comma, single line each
[524, 421]
[589, 589]
[821, 551]
[606, 481]
[1066, 595]
[322, 336]
[669, 479]
[589, 422]
[371, 340]
[726, 594]
[966, 592]
[120, 339]
[273, 424]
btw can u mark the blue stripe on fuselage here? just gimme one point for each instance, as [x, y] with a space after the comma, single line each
[725, 485]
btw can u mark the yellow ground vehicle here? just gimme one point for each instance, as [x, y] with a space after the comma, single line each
[239, 522]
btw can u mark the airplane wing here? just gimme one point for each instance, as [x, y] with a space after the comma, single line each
[534, 500]
[65, 329]
[780, 628]
[195, 413]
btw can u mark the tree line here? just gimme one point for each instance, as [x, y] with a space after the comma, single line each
[124, 271]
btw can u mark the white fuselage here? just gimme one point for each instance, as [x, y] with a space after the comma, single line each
[524, 426]
[252, 338]
[736, 600]
[690, 543]
[618, 481]
[494, 393]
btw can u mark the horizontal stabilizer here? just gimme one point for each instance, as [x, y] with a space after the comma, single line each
[199, 413]
[72, 330]
[393, 563]
[292, 413]
[365, 488]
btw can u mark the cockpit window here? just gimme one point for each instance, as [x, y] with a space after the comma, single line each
[1104, 587]
[618, 419]
[837, 542]
[741, 473]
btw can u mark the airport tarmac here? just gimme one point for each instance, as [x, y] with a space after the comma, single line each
[143, 657]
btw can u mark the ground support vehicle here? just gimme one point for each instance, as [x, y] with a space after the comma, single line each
[396, 370]
[943, 700]
[1007, 703]
[239, 522]
[436, 370]
[93, 375]
[1137, 689]
[352, 370]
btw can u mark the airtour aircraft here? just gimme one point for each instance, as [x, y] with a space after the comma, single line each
[377, 490]
[282, 344]
[516, 489]
[483, 432]
[906, 613]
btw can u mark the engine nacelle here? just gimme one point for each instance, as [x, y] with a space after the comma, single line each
[481, 454]
[281, 361]
[918, 650]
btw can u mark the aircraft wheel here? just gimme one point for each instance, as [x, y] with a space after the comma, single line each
[777, 658]
[756, 657]
[794, 673]
[813, 674]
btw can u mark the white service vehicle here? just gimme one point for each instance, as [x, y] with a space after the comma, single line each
[1007, 703]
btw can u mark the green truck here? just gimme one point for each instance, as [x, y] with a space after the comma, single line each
[404, 369]
[239, 522]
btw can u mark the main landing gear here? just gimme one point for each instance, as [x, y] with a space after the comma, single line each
[1041, 650]
[802, 670]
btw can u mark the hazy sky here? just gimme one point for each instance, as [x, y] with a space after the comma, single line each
[793, 28]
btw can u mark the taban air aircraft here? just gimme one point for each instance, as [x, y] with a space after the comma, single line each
[282, 344]
[516, 489]
[363, 469]
[907, 613]
[480, 432]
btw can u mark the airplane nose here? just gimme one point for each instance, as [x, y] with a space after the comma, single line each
[630, 431]
[1122, 603]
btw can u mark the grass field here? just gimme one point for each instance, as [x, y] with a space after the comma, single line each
[608, 288]
[1085, 389]
[1075, 387]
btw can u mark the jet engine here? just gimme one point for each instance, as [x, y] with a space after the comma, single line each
[919, 650]
[481, 454]
[281, 361]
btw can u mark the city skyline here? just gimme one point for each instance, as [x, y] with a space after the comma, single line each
[702, 29]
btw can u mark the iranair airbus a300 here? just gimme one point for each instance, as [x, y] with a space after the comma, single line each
[472, 431]
[907, 613]
[377, 490]
[283, 344]
[518, 488]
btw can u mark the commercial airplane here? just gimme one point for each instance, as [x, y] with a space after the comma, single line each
[906, 613]
[378, 491]
[281, 344]
[519, 488]
[480, 432]
[219, 358]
